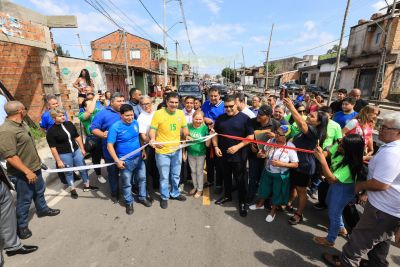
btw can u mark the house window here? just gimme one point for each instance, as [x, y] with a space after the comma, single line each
[106, 54]
[378, 37]
[155, 54]
[135, 54]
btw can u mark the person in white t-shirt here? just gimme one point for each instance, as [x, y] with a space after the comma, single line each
[3, 114]
[381, 218]
[144, 121]
[189, 108]
[242, 107]
[275, 176]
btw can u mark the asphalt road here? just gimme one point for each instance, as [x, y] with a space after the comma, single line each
[92, 231]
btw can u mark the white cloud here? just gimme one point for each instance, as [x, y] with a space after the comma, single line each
[50, 7]
[377, 6]
[213, 5]
[259, 39]
[310, 25]
[200, 34]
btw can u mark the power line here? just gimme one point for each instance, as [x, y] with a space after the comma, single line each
[159, 26]
[186, 28]
[105, 14]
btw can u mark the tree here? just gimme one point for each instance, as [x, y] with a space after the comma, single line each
[335, 49]
[229, 74]
[271, 67]
[60, 52]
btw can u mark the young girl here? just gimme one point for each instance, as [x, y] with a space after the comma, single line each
[84, 84]
[197, 152]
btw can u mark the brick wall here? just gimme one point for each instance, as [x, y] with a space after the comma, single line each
[115, 43]
[21, 74]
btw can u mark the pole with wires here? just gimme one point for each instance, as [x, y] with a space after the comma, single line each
[267, 61]
[333, 84]
[165, 46]
[126, 62]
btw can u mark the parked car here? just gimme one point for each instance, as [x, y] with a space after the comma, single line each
[290, 86]
[190, 89]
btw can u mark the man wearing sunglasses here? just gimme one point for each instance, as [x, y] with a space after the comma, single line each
[381, 218]
[233, 153]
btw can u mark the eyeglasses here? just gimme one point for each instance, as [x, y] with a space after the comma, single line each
[302, 111]
[384, 127]
[229, 106]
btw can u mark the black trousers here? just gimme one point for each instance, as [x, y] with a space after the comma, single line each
[236, 171]
[213, 165]
[323, 188]
[152, 175]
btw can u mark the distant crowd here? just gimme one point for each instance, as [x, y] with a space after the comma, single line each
[276, 153]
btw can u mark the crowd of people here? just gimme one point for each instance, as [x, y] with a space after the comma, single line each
[276, 152]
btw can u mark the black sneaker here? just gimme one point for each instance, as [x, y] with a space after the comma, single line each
[74, 194]
[164, 204]
[129, 209]
[179, 198]
[24, 233]
[114, 196]
[90, 188]
[145, 202]
[319, 206]
[207, 184]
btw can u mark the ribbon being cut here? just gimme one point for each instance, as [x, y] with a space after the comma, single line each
[183, 144]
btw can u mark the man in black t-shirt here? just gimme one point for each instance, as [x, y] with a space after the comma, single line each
[360, 103]
[233, 153]
[264, 127]
[337, 105]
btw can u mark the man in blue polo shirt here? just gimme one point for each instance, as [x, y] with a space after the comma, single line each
[122, 139]
[100, 126]
[46, 121]
[213, 108]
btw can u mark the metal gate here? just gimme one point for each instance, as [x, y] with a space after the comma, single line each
[366, 81]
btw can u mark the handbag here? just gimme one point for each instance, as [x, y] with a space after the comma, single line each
[90, 142]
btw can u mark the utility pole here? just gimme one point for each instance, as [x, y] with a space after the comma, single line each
[267, 61]
[333, 84]
[177, 64]
[244, 70]
[126, 61]
[80, 43]
[376, 94]
[234, 72]
[165, 46]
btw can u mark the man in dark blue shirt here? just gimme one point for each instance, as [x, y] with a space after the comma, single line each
[134, 101]
[122, 139]
[213, 108]
[100, 125]
[233, 153]
[46, 120]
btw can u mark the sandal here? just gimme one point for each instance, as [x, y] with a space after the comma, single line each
[289, 208]
[198, 194]
[323, 241]
[192, 192]
[332, 260]
[294, 221]
[343, 233]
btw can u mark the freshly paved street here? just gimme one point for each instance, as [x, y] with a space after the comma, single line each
[92, 231]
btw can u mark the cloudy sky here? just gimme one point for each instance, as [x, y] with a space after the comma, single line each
[218, 29]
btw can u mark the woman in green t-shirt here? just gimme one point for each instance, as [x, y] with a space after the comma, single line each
[197, 152]
[346, 166]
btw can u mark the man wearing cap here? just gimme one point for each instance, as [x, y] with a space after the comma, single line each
[264, 127]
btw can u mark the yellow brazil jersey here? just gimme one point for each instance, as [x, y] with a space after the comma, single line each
[168, 127]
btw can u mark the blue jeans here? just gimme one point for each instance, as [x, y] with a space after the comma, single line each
[74, 159]
[169, 167]
[27, 192]
[339, 195]
[133, 167]
[112, 172]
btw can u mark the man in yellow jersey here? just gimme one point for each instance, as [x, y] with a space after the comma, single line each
[169, 125]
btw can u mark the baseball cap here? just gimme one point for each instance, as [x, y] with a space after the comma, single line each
[265, 110]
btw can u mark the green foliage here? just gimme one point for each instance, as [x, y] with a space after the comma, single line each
[37, 132]
[271, 67]
[59, 51]
[229, 74]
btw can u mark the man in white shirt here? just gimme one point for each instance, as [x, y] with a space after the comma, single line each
[242, 107]
[3, 114]
[144, 121]
[381, 218]
[189, 108]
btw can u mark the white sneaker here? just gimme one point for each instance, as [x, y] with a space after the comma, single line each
[101, 179]
[254, 207]
[270, 218]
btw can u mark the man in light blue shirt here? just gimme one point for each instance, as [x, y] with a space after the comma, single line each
[46, 120]
[123, 138]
